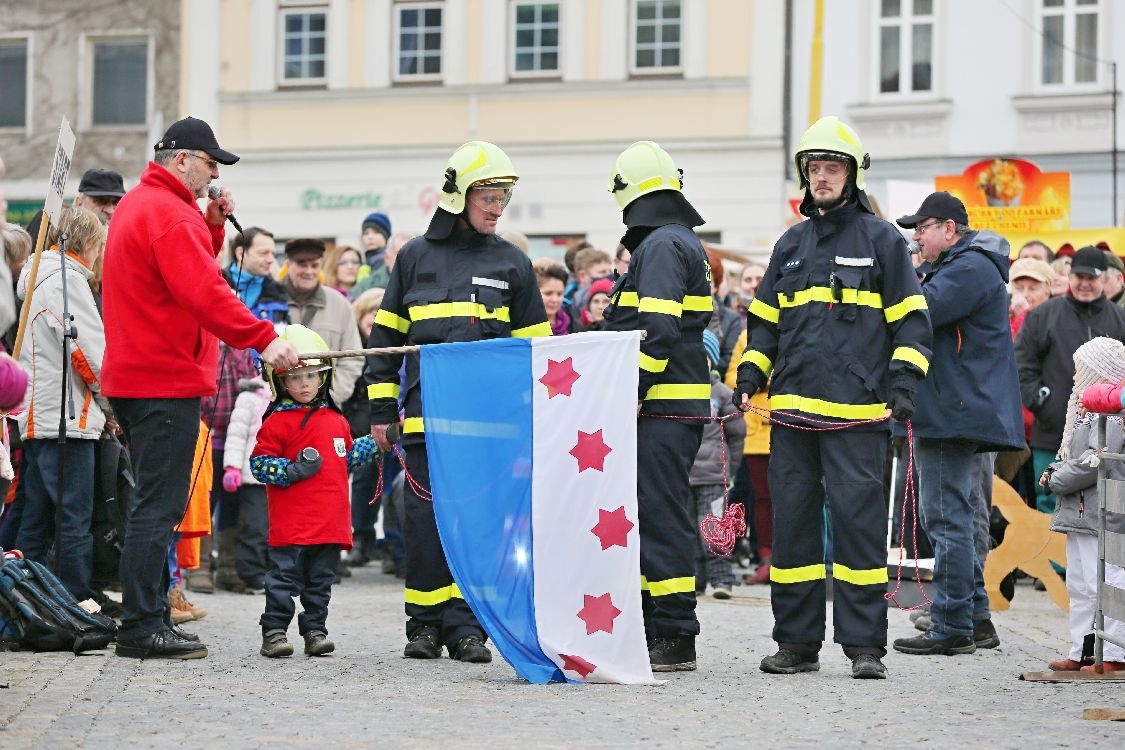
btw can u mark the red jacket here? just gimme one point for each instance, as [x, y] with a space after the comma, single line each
[1103, 398]
[164, 300]
[315, 510]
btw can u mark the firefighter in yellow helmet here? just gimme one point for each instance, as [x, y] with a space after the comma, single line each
[460, 281]
[667, 293]
[841, 325]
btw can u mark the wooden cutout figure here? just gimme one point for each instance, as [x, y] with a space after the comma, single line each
[1029, 544]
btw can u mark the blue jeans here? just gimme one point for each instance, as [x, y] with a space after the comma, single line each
[946, 470]
[74, 555]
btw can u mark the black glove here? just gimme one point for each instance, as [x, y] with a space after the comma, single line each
[901, 404]
[750, 381]
[307, 464]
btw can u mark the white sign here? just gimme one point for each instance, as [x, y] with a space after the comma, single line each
[64, 153]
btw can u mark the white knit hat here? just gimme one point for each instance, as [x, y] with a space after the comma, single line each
[1100, 360]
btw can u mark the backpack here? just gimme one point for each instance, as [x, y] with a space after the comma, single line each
[38, 613]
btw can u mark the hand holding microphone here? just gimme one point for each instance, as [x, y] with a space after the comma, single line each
[221, 207]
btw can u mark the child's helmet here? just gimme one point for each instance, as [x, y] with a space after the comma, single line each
[305, 341]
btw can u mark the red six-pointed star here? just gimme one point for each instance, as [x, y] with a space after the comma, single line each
[590, 451]
[612, 528]
[598, 613]
[560, 377]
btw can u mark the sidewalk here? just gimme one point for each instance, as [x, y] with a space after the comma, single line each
[367, 695]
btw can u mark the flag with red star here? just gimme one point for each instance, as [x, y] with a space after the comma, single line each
[532, 448]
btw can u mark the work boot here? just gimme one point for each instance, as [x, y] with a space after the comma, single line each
[868, 667]
[199, 579]
[423, 644]
[985, 635]
[928, 644]
[786, 661]
[317, 644]
[471, 649]
[672, 654]
[226, 577]
[180, 603]
[275, 645]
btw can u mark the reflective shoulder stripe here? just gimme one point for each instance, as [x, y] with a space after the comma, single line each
[755, 357]
[534, 331]
[672, 391]
[860, 577]
[764, 311]
[412, 424]
[797, 575]
[652, 364]
[904, 308]
[657, 305]
[913, 356]
[430, 598]
[668, 586]
[698, 303]
[388, 319]
[383, 390]
[828, 408]
[627, 299]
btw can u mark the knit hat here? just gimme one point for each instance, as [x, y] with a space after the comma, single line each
[1100, 360]
[711, 346]
[381, 223]
[601, 286]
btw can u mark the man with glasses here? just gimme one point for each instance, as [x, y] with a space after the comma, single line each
[165, 305]
[100, 191]
[457, 282]
[968, 409]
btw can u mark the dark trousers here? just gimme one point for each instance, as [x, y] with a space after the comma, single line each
[300, 571]
[251, 553]
[224, 505]
[844, 468]
[432, 599]
[669, 537]
[161, 433]
[364, 512]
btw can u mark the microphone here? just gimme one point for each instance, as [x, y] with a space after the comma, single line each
[213, 194]
[914, 248]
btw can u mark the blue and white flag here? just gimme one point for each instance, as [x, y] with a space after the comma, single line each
[532, 448]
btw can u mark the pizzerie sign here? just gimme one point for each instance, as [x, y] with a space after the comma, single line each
[315, 200]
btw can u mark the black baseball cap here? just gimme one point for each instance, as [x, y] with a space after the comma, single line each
[102, 183]
[1089, 261]
[194, 134]
[940, 205]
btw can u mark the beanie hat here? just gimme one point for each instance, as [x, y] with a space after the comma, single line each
[381, 223]
[1100, 360]
[601, 286]
[711, 346]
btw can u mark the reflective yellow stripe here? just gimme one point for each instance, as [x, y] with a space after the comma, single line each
[764, 311]
[457, 310]
[824, 294]
[913, 356]
[797, 575]
[430, 598]
[388, 319]
[669, 586]
[754, 357]
[904, 308]
[627, 299]
[678, 391]
[652, 364]
[530, 332]
[828, 408]
[412, 424]
[383, 390]
[657, 305]
[697, 303]
[859, 577]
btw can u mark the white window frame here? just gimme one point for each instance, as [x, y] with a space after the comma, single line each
[27, 39]
[1069, 12]
[665, 70]
[86, 73]
[905, 22]
[286, 10]
[398, 77]
[554, 73]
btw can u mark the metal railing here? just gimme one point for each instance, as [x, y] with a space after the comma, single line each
[1111, 549]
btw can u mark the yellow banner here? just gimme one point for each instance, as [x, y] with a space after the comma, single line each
[1078, 238]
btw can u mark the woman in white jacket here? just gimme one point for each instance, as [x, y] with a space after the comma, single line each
[40, 422]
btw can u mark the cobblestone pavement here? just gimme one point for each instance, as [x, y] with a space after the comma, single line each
[367, 695]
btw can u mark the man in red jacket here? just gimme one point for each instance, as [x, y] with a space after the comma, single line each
[164, 305]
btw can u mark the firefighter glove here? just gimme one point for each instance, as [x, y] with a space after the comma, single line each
[750, 381]
[306, 465]
[901, 404]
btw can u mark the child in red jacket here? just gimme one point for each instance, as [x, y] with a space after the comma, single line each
[303, 455]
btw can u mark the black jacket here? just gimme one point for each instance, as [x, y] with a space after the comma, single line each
[1045, 347]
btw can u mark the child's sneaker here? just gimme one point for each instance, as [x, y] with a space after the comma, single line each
[317, 644]
[275, 645]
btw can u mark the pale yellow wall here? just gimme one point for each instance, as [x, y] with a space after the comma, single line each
[234, 70]
[357, 43]
[728, 37]
[473, 38]
[593, 39]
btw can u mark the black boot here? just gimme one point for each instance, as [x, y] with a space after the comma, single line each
[787, 661]
[471, 649]
[672, 653]
[424, 644]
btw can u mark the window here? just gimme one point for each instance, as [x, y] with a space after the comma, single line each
[13, 83]
[1069, 46]
[536, 45]
[906, 46]
[656, 44]
[120, 83]
[303, 44]
[418, 41]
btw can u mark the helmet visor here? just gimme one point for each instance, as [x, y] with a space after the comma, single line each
[490, 198]
[836, 164]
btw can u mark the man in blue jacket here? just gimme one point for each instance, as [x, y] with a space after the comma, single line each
[968, 408]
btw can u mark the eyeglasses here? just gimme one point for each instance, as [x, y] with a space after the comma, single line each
[489, 198]
[830, 169]
[211, 163]
[921, 228]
